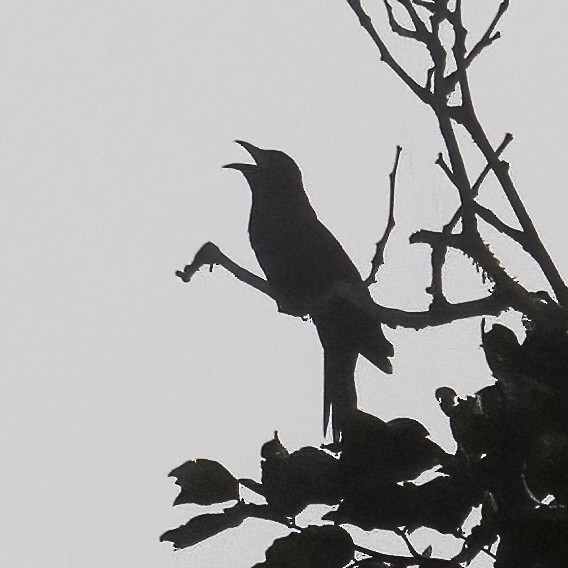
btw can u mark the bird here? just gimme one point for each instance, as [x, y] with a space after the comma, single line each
[305, 265]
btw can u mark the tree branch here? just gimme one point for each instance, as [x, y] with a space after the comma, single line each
[402, 534]
[401, 561]
[379, 259]
[490, 217]
[534, 245]
[397, 28]
[423, 94]
[448, 228]
[486, 40]
[446, 169]
[419, 25]
[481, 178]
[210, 254]
[488, 37]
[518, 297]
[431, 6]
[436, 315]
[265, 512]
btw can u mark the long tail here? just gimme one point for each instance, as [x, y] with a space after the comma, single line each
[339, 393]
[345, 332]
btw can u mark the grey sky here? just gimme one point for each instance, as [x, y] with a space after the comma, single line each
[116, 119]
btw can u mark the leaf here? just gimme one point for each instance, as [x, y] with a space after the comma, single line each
[375, 506]
[502, 350]
[204, 482]
[273, 448]
[483, 534]
[314, 547]
[205, 526]
[378, 453]
[545, 354]
[444, 503]
[546, 468]
[535, 538]
[292, 481]
[476, 421]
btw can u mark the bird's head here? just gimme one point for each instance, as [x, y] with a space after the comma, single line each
[271, 171]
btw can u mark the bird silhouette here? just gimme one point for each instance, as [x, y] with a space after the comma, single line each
[305, 265]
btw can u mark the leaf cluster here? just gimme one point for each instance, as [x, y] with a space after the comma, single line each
[511, 460]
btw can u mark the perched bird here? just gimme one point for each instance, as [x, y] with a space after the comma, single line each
[305, 265]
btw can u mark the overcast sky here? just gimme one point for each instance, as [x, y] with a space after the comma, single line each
[116, 119]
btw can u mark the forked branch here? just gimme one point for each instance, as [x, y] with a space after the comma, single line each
[439, 86]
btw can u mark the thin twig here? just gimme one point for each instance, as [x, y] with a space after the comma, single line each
[379, 259]
[422, 31]
[488, 37]
[534, 245]
[486, 40]
[485, 549]
[447, 170]
[399, 29]
[402, 534]
[449, 227]
[481, 178]
[405, 560]
[519, 298]
[491, 218]
[431, 6]
[265, 512]
[423, 94]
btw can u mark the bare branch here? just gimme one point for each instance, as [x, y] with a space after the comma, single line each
[402, 534]
[379, 259]
[491, 218]
[403, 561]
[397, 28]
[447, 170]
[486, 40]
[420, 27]
[475, 187]
[459, 173]
[459, 51]
[488, 37]
[518, 297]
[429, 77]
[210, 254]
[437, 314]
[442, 314]
[431, 6]
[533, 244]
[436, 288]
[423, 94]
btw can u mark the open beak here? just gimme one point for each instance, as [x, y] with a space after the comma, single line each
[257, 155]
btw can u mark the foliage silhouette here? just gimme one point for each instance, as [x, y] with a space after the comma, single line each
[511, 460]
[204, 482]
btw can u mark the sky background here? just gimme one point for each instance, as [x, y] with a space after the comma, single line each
[116, 119]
